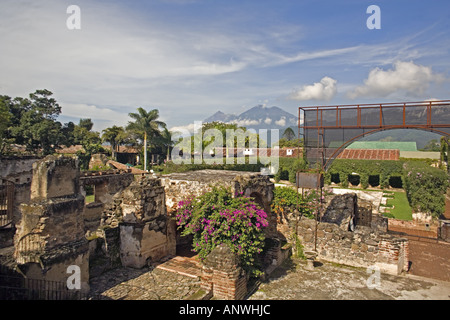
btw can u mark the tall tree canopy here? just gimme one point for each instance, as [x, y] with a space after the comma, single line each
[114, 136]
[147, 126]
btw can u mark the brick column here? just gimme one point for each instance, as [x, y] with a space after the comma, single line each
[223, 275]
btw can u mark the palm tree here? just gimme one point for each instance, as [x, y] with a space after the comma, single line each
[113, 135]
[166, 141]
[146, 125]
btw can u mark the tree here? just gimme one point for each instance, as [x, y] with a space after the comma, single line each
[5, 121]
[67, 131]
[113, 135]
[86, 124]
[37, 127]
[146, 125]
[166, 141]
[289, 134]
[432, 145]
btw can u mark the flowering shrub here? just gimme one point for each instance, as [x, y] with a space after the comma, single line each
[216, 217]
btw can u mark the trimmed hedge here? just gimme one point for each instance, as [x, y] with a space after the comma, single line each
[288, 167]
[370, 172]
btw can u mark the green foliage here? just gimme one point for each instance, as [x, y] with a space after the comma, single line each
[217, 217]
[288, 167]
[294, 143]
[425, 187]
[229, 135]
[114, 136]
[432, 145]
[385, 169]
[147, 128]
[287, 200]
[298, 247]
[32, 122]
[444, 151]
[170, 167]
[5, 120]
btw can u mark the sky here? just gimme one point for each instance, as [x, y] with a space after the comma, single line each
[192, 58]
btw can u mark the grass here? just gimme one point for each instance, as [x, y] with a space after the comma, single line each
[89, 198]
[402, 209]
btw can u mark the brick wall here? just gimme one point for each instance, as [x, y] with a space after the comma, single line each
[222, 275]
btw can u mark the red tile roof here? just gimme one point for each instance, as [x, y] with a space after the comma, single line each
[370, 154]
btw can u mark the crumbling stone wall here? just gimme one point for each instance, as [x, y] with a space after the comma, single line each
[108, 188]
[360, 248]
[50, 234]
[337, 237]
[146, 232]
[18, 170]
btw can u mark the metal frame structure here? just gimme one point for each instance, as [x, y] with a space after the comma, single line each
[321, 124]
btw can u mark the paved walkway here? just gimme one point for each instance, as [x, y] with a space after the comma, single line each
[178, 279]
[331, 282]
[131, 284]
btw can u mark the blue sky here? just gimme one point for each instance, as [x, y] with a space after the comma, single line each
[191, 58]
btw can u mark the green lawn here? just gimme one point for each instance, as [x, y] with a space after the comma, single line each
[401, 210]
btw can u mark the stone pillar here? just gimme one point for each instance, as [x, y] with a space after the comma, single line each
[223, 276]
[145, 233]
[50, 234]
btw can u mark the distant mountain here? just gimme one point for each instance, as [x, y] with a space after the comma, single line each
[220, 116]
[259, 117]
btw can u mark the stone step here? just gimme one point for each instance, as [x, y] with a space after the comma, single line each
[185, 266]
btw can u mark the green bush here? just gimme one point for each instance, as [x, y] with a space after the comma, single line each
[170, 167]
[425, 187]
[370, 171]
[286, 200]
[288, 167]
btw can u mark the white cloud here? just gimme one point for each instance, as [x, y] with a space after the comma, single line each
[184, 130]
[268, 121]
[108, 116]
[281, 122]
[246, 122]
[323, 90]
[404, 76]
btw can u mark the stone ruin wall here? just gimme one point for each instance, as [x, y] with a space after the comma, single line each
[50, 233]
[18, 170]
[135, 227]
[337, 238]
